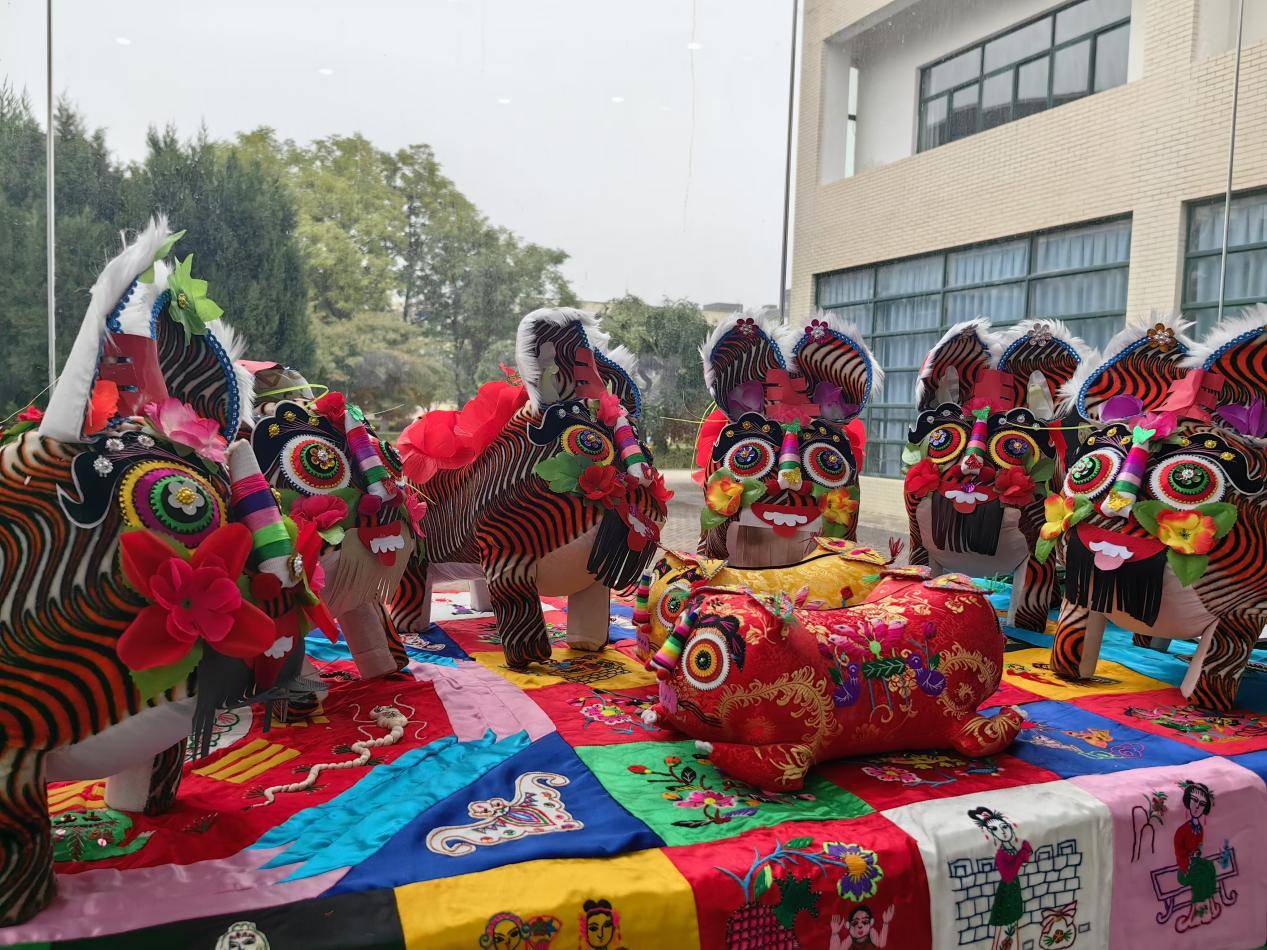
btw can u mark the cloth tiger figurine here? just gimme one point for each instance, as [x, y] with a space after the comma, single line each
[780, 457]
[127, 520]
[333, 471]
[1163, 515]
[541, 485]
[772, 688]
[984, 453]
[838, 573]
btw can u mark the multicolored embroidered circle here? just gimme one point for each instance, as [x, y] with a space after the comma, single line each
[671, 604]
[945, 442]
[750, 458]
[314, 465]
[1093, 473]
[590, 443]
[171, 498]
[826, 464]
[1011, 449]
[707, 661]
[1186, 481]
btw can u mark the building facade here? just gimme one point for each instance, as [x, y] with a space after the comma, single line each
[1015, 158]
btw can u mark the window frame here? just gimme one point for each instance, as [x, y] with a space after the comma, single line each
[1049, 53]
[1026, 280]
[1194, 310]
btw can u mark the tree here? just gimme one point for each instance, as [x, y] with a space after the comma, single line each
[666, 339]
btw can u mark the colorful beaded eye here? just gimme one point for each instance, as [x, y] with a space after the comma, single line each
[945, 442]
[750, 458]
[173, 499]
[1187, 481]
[1013, 449]
[707, 660]
[670, 606]
[589, 442]
[1093, 473]
[314, 465]
[825, 464]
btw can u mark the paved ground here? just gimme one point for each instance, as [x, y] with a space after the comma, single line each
[681, 533]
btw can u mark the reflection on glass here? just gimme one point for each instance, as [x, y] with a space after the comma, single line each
[1031, 88]
[952, 72]
[1097, 292]
[933, 129]
[963, 116]
[1090, 15]
[1074, 248]
[844, 287]
[1111, 53]
[1246, 278]
[996, 100]
[1017, 45]
[1071, 77]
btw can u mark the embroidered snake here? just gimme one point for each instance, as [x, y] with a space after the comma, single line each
[385, 717]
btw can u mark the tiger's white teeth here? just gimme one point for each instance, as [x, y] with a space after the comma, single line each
[787, 520]
[393, 542]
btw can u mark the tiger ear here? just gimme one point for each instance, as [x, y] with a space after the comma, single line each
[1136, 368]
[562, 353]
[951, 371]
[1237, 351]
[841, 372]
[204, 371]
[1040, 357]
[737, 356]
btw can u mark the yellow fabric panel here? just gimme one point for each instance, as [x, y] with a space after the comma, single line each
[1031, 670]
[653, 905]
[609, 669]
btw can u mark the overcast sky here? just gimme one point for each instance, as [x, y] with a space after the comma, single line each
[595, 126]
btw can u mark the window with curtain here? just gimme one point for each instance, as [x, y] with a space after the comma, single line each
[1246, 258]
[1076, 274]
[1062, 55]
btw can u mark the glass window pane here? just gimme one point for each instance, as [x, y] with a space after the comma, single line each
[1073, 64]
[981, 265]
[899, 387]
[909, 277]
[963, 115]
[1203, 321]
[996, 99]
[1031, 88]
[1246, 278]
[1017, 45]
[845, 287]
[1085, 247]
[1089, 15]
[933, 131]
[1249, 224]
[1079, 293]
[911, 313]
[1096, 331]
[883, 459]
[859, 315]
[943, 76]
[1005, 304]
[1111, 54]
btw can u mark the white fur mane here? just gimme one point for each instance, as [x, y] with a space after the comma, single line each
[529, 365]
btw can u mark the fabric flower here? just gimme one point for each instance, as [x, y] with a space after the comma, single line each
[193, 596]
[321, 511]
[416, 508]
[182, 494]
[189, 304]
[838, 506]
[705, 799]
[922, 478]
[1187, 532]
[599, 483]
[31, 414]
[709, 430]
[447, 438]
[102, 406]
[658, 489]
[333, 406]
[862, 872]
[723, 495]
[1014, 486]
[610, 409]
[1057, 510]
[181, 424]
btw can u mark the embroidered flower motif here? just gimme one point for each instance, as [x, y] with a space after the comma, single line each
[1057, 510]
[183, 494]
[838, 506]
[723, 495]
[891, 773]
[181, 424]
[817, 330]
[746, 327]
[707, 798]
[1188, 532]
[321, 511]
[1014, 487]
[922, 478]
[1162, 337]
[862, 872]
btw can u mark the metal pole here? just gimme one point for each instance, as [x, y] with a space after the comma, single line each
[1231, 156]
[787, 163]
[50, 229]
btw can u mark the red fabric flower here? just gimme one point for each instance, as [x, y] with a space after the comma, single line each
[445, 438]
[659, 491]
[32, 414]
[922, 478]
[1014, 486]
[599, 483]
[321, 511]
[333, 405]
[193, 596]
[610, 408]
[705, 440]
[416, 508]
[102, 407]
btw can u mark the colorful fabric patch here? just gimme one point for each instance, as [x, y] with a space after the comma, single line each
[854, 883]
[591, 715]
[1031, 670]
[1167, 713]
[540, 803]
[898, 778]
[610, 669]
[682, 796]
[1009, 694]
[633, 900]
[435, 642]
[1189, 855]
[1070, 741]
[477, 700]
[1019, 867]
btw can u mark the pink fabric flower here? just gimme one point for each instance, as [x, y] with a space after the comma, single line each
[179, 422]
[321, 511]
[200, 601]
[702, 799]
[610, 409]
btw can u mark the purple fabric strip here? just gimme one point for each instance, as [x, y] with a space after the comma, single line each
[476, 699]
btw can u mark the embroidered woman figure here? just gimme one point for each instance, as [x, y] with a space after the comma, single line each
[1196, 872]
[1012, 855]
[600, 926]
[861, 931]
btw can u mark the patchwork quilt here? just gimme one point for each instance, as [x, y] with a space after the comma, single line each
[539, 811]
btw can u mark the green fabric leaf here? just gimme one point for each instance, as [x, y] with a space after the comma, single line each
[1146, 512]
[752, 490]
[1187, 567]
[1223, 514]
[797, 895]
[765, 877]
[912, 455]
[709, 519]
[562, 471]
[333, 535]
[831, 529]
[163, 250]
[1082, 509]
[797, 844]
[1043, 469]
[1043, 549]
[154, 681]
[207, 310]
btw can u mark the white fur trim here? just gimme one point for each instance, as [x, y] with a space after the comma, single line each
[1251, 318]
[993, 343]
[68, 402]
[600, 342]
